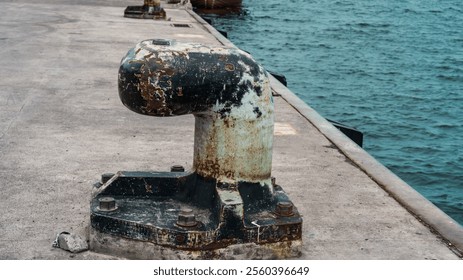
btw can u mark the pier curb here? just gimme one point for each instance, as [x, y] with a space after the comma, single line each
[409, 198]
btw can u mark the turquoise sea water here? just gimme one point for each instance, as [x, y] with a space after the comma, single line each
[392, 69]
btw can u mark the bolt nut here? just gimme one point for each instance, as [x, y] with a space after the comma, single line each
[186, 218]
[107, 204]
[180, 238]
[177, 168]
[284, 209]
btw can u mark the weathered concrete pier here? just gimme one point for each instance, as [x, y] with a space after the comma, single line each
[62, 125]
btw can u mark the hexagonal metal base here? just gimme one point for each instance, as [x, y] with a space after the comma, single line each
[150, 208]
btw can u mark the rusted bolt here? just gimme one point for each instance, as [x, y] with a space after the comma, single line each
[186, 218]
[284, 209]
[107, 204]
[105, 177]
[180, 238]
[177, 168]
[274, 180]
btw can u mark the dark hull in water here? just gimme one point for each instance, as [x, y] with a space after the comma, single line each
[215, 4]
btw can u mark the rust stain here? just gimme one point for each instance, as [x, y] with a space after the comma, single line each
[148, 55]
[169, 71]
[153, 95]
[135, 61]
[224, 155]
[148, 188]
[229, 67]
[212, 169]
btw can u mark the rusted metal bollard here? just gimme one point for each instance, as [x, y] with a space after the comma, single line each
[151, 9]
[228, 199]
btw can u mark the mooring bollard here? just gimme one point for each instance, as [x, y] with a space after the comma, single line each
[228, 199]
[151, 9]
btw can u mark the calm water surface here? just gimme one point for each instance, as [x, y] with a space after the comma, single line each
[392, 69]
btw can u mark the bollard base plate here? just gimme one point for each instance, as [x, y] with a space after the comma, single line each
[107, 244]
[201, 217]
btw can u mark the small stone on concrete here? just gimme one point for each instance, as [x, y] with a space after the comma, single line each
[71, 242]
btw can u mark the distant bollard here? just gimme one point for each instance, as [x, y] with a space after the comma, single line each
[151, 9]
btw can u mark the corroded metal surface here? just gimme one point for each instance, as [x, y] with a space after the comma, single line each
[228, 197]
[224, 88]
[150, 205]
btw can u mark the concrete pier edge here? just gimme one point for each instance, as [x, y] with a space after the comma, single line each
[211, 29]
[426, 212]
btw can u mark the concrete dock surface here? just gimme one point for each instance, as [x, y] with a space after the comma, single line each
[62, 125]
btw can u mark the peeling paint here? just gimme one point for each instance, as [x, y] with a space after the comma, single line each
[226, 90]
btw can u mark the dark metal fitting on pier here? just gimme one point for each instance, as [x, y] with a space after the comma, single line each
[235, 200]
[177, 168]
[186, 218]
[151, 9]
[163, 42]
[107, 204]
[284, 209]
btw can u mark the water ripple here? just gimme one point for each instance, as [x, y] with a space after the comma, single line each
[393, 69]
